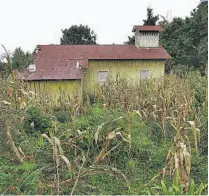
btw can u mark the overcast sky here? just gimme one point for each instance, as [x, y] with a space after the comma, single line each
[27, 23]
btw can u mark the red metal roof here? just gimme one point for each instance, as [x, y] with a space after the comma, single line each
[57, 62]
[147, 28]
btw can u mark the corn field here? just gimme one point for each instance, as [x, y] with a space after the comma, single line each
[124, 139]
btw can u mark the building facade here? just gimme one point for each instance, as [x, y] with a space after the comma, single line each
[63, 72]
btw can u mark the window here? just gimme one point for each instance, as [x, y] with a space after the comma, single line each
[102, 76]
[145, 74]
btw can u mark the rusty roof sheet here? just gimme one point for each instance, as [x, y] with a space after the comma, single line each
[147, 28]
[59, 62]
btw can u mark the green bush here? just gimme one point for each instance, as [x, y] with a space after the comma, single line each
[63, 116]
[37, 120]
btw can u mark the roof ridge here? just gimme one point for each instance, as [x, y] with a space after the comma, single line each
[147, 25]
[84, 45]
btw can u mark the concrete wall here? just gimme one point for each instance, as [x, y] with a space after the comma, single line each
[129, 69]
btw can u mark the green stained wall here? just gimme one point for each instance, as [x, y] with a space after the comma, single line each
[129, 69]
[57, 91]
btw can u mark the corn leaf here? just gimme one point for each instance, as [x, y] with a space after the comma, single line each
[96, 136]
[57, 142]
[164, 188]
[187, 157]
[65, 159]
[192, 188]
[47, 137]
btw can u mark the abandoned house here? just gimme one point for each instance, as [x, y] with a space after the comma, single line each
[61, 70]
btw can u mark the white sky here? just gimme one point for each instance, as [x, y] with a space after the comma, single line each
[27, 23]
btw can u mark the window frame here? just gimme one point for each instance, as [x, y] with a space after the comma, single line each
[102, 82]
[145, 78]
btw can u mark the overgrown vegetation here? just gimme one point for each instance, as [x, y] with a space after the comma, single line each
[187, 41]
[131, 139]
[147, 138]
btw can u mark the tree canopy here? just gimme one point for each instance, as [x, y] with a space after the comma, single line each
[151, 19]
[14, 61]
[187, 41]
[78, 35]
[21, 59]
[131, 40]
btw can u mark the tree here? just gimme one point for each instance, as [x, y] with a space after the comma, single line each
[131, 40]
[187, 41]
[78, 35]
[5, 63]
[151, 19]
[165, 19]
[20, 59]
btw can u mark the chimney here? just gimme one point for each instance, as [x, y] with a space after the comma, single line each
[147, 36]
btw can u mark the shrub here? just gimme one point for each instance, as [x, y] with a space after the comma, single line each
[36, 119]
[63, 116]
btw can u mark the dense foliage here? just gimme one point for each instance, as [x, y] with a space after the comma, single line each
[119, 144]
[186, 40]
[151, 19]
[78, 35]
[18, 60]
[21, 59]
